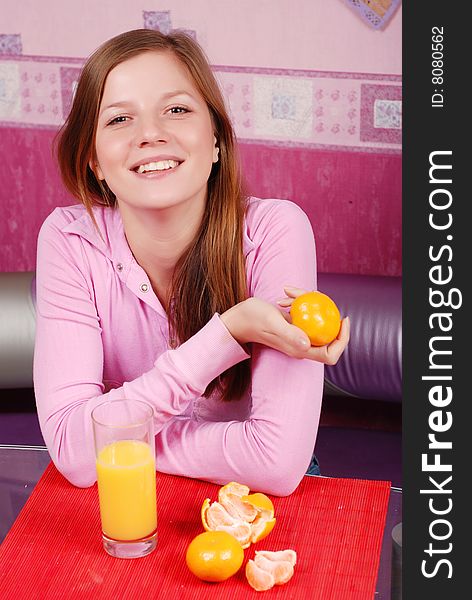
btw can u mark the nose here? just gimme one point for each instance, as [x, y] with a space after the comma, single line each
[151, 131]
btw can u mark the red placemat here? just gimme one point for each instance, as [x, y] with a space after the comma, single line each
[54, 548]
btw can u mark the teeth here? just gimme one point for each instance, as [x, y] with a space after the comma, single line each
[162, 165]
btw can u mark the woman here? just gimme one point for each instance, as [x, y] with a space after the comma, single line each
[162, 284]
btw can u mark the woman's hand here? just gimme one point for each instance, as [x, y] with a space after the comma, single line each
[255, 320]
[330, 353]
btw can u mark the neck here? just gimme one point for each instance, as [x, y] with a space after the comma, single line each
[158, 238]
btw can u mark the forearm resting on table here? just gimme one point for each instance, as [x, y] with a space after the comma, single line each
[260, 454]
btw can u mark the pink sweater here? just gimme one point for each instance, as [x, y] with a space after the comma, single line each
[103, 334]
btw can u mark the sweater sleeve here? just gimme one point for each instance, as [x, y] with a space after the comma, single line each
[68, 361]
[270, 450]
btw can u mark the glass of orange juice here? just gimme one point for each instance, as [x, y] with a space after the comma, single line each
[126, 476]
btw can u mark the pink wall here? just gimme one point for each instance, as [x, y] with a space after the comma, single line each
[316, 104]
[303, 34]
[351, 199]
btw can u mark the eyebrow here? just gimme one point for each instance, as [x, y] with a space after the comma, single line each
[165, 96]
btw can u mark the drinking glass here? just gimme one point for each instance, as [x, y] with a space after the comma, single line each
[126, 476]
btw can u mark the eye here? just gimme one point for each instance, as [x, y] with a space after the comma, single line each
[178, 110]
[117, 120]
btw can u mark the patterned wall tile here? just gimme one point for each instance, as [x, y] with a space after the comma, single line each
[237, 90]
[40, 93]
[191, 32]
[159, 20]
[282, 107]
[10, 105]
[336, 110]
[381, 113]
[10, 44]
[388, 114]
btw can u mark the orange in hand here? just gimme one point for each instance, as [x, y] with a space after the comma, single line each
[214, 556]
[318, 316]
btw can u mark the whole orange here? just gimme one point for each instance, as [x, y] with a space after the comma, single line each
[214, 555]
[318, 316]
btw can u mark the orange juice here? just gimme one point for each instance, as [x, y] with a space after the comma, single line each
[126, 475]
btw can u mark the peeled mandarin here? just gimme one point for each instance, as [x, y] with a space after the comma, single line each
[249, 517]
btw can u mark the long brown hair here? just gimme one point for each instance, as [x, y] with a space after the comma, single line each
[211, 275]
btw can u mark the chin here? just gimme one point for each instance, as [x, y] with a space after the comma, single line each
[159, 203]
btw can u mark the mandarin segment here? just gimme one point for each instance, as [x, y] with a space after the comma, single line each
[233, 487]
[282, 570]
[288, 555]
[258, 578]
[216, 514]
[241, 531]
[238, 508]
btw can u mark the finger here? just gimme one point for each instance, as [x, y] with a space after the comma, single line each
[327, 355]
[331, 353]
[337, 346]
[285, 302]
[286, 316]
[334, 351]
[293, 292]
[289, 339]
[345, 330]
[295, 339]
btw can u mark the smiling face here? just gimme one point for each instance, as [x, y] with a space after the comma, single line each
[155, 143]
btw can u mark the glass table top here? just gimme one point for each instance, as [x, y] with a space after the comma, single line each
[22, 466]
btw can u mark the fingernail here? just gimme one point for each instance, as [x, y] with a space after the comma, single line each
[303, 342]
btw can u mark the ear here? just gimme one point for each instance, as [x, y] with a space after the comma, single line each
[95, 167]
[216, 151]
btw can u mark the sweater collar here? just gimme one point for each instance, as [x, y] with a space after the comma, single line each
[112, 240]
